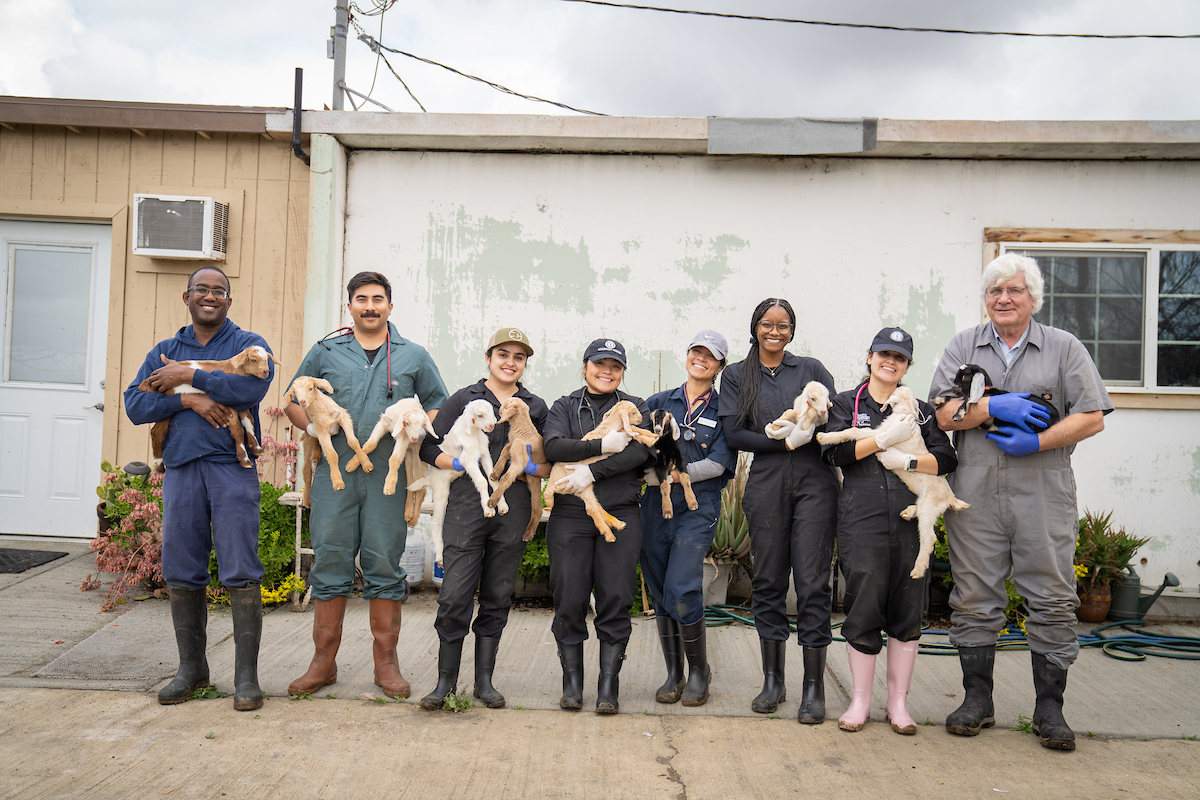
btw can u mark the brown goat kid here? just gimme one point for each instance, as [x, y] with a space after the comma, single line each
[254, 361]
[323, 412]
[521, 432]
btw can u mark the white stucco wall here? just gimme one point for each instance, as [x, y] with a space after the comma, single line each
[648, 249]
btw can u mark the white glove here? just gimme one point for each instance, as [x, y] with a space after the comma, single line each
[650, 477]
[799, 437]
[580, 478]
[893, 459]
[311, 430]
[780, 430]
[903, 427]
[614, 442]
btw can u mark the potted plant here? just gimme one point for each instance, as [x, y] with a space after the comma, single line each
[1102, 552]
[731, 542]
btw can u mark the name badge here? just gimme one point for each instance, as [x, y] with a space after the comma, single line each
[708, 423]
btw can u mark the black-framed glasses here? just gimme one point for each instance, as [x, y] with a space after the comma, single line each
[782, 327]
[201, 291]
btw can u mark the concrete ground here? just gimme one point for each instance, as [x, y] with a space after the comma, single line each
[78, 717]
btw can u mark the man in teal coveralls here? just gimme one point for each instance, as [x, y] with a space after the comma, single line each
[370, 368]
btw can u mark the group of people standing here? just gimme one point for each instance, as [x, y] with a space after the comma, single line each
[1018, 482]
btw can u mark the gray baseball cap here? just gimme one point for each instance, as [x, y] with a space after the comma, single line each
[714, 341]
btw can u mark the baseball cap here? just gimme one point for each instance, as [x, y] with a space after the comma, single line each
[605, 348]
[510, 335]
[714, 341]
[895, 340]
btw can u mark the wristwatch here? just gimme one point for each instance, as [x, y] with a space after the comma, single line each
[912, 464]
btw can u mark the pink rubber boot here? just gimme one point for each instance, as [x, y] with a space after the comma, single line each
[862, 675]
[901, 658]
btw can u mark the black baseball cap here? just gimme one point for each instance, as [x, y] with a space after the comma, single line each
[605, 348]
[895, 340]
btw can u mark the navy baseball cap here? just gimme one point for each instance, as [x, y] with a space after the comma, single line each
[894, 339]
[605, 348]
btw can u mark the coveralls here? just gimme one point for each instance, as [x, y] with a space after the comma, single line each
[361, 519]
[210, 501]
[673, 550]
[790, 501]
[581, 562]
[1023, 513]
[876, 547]
[480, 552]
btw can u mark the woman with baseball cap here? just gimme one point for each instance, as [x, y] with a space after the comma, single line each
[581, 562]
[673, 550]
[481, 553]
[876, 546]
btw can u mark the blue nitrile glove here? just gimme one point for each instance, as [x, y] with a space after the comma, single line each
[456, 465]
[530, 467]
[1015, 441]
[1017, 409]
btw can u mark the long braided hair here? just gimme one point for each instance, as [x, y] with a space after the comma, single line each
[750, 378]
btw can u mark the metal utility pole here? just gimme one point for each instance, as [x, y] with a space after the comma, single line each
[338, 52]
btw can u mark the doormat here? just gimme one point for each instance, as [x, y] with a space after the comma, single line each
[21, 560]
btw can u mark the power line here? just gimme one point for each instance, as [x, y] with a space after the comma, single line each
[886, 27]
[378, 46]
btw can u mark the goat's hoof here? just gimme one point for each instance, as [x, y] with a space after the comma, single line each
[668, 514]
[617, 525]
[338, 485]
[489, 512]
[608, 537]
[693, 506]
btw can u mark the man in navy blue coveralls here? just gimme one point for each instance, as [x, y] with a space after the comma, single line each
[210, 501]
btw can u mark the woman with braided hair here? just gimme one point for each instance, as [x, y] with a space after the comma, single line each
[790, 502]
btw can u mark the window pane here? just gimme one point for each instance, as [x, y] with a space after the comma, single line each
[1069, 274]
[1121, 275]
[1178, 365]
[1120, 362]
[49, 314]
[1179, 320]
[1076, 315]
[1121, 318]
[1179, 272]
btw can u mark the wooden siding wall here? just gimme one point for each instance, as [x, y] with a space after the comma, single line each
[66, 174]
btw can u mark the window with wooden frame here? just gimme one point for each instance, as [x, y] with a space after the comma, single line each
[1132, 298]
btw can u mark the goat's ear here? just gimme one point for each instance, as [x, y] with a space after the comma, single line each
[674, 428]
[428, 426]
[978, 385]
[323, 385]
[271, 356]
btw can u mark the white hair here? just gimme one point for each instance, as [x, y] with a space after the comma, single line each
[1006, 267]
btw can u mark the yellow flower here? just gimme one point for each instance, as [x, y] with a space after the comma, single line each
[1080, 571]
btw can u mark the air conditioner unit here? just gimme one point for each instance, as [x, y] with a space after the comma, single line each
[172, 226]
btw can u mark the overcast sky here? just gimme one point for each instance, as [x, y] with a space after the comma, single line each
[619, 61]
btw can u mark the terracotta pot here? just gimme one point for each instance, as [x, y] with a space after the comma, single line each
[1094, 603]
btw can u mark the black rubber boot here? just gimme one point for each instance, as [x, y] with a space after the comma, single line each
[773, 692]
[485, 664]
[246, 605]
[668, 637]
[571, 656]
[189, 614]
[608, 687]
[976, 711]
[695, 647]
[449, 659]
[812, 693]
[1050, 681]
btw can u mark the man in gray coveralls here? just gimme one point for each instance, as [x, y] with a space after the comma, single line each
[1023, 515]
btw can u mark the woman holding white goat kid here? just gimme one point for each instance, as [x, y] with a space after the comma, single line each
[673, 550]
[876, 547]
[481, 553]
[581, 561]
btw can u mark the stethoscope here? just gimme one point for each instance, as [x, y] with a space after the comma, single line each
[388, 343]
[689, 419]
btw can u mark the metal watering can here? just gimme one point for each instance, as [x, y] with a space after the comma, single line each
[1127, 600]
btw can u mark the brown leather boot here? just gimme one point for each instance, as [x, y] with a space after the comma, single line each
[385, 627]
[327, 637]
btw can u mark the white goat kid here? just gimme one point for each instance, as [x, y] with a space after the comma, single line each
[408, 423]
[466, 441]
[810, 409]
[934, 494]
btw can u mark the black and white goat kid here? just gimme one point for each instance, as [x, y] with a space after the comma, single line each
[669, 460]
[972, 383]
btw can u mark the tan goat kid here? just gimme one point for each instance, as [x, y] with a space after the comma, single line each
[521, 433]
[408, 423]
[312, 394]
[624, 417]
[253, 362]
[934, 494]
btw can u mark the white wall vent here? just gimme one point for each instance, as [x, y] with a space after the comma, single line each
[173, 226]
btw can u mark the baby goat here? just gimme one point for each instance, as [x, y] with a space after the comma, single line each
[254, 361]
[521, 435]
[408, 423]
[669, 461]
[625, 417]
[323, 412]
[810, 408]
[467, 441]
[972, 383]
[934, 494]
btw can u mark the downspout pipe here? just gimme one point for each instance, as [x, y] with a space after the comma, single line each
[296, 112]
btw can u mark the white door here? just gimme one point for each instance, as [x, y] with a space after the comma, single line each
[54, 323]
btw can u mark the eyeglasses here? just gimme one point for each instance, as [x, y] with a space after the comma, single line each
[1015, 292]
[783, 327]
[201, 291]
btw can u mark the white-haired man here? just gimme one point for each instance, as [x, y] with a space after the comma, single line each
[1019, 482]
